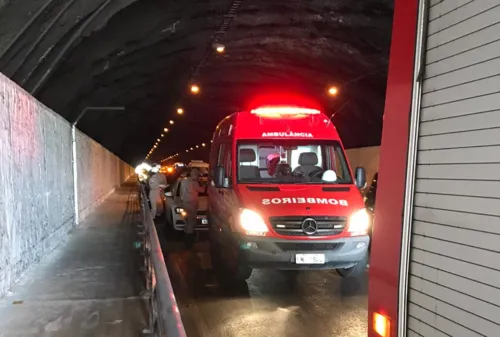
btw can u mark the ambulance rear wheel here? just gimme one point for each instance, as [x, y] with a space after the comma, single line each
[354, 271]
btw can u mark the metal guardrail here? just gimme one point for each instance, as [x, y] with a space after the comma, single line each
[164, 316]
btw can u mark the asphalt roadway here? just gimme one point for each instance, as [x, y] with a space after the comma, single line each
[315, 303]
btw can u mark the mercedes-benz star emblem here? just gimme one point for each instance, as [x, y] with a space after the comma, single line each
[309, 226]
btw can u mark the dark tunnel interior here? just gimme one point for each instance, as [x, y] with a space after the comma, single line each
[143, 55]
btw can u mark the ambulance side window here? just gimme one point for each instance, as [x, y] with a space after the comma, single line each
[213, 163]
[228, 162]
[340, 167]
[217, 159]
[220, 157]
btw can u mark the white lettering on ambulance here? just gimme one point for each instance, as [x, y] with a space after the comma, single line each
[323, 201]
[288, 134]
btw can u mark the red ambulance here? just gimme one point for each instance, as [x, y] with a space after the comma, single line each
[283, 196]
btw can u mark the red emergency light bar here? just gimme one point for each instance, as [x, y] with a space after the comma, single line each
[282, 110]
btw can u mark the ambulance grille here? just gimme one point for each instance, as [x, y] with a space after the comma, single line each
[292, 225]
[308, 246]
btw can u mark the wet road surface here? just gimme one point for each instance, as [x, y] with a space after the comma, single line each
[270, 303]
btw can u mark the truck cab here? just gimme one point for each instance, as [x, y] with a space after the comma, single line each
[283, 196]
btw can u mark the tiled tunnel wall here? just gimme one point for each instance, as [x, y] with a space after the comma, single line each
[36, 180]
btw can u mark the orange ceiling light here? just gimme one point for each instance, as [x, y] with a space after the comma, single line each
[333, 91]
[220, 48]
[195, 89]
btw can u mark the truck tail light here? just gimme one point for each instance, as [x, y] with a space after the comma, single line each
[381, 325]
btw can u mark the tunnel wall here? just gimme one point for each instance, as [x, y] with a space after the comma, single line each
[36, 180]
[99, 172]
[367, 157]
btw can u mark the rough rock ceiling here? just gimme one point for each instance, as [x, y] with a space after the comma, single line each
[142, 54]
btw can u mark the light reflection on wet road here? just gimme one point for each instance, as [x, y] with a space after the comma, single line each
[313, 304]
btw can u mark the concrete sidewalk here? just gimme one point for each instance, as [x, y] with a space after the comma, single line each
[89, 286]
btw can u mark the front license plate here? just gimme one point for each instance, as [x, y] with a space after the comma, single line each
[310, 258]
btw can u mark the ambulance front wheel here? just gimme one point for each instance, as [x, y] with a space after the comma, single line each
[233, 270]
[354, 271]
[237, 271]
[241, 272]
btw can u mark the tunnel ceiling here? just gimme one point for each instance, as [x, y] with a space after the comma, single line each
[143, 54]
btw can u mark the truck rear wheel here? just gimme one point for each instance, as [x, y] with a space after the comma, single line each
[354, 271]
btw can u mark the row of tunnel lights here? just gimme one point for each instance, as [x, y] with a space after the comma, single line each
[191, 149]
[195, 90]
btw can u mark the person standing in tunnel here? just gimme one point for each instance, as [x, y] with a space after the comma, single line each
[190, 188]
[157, 181]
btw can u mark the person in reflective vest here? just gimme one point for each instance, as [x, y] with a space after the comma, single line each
[190, 188]
[157, 181]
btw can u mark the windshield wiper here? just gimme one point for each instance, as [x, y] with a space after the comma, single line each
[328, 182]
[269, 181]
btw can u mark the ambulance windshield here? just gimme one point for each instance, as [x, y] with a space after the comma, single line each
[291, 162]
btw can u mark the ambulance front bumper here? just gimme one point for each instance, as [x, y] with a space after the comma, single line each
[303, 254]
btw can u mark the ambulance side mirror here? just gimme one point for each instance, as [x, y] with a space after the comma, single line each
[360, 177]
[219, 177]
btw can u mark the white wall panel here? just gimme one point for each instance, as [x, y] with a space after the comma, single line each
[454, 285]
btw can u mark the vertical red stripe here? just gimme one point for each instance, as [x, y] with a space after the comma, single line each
[385, 255]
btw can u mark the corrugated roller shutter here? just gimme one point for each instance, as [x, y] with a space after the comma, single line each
[454, 284]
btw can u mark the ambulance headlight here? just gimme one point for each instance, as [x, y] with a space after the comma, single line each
[252, 223]
[359, 222]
